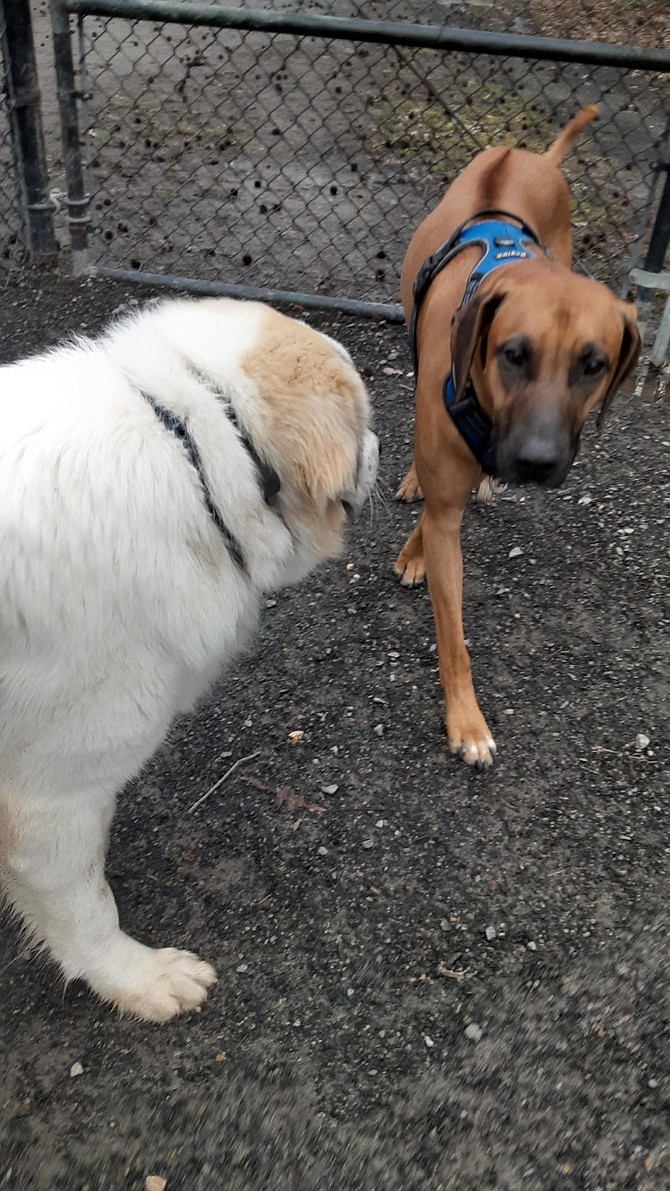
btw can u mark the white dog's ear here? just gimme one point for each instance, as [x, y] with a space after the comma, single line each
[323, 453]
[315, 407]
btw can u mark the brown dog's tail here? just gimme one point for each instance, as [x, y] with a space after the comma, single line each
[563, 143]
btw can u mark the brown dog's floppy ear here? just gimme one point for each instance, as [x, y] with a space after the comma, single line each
[628, 357]
[469, 327]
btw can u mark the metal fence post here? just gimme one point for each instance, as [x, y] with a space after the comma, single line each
[18, 49]
[78, 199]
[660, 236]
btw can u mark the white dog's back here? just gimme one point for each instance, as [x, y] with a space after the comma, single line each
[106, 565]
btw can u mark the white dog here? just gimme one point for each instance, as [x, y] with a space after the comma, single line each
[154, 483]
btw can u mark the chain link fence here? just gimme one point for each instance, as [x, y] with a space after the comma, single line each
[11, 228]
[302, 163]
[299, 160]
[26, 223]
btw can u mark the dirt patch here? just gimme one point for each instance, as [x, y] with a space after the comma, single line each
[622, 22]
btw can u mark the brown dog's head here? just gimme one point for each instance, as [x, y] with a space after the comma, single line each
[543, 347]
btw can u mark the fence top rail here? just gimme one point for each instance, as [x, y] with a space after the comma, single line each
[386, 32]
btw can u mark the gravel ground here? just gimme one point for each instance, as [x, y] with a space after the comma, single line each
[438, 978]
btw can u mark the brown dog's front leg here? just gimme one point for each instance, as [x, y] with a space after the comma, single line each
[468, 733]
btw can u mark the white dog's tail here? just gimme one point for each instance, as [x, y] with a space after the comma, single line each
[563, 143]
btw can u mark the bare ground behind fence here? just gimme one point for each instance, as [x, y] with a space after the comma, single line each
[303, 164]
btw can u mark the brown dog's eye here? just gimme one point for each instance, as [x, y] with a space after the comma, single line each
[515, 353]
[591, 362]
[594, 366]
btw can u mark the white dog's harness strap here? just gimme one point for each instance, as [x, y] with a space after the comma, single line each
[269, 480]
[180, 430]
[267, 476]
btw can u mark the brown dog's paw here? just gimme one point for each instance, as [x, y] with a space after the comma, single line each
[410, 571]
[471, 741]
[410, 566]
[410, 489]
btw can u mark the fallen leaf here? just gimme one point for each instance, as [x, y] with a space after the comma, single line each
[286, 798]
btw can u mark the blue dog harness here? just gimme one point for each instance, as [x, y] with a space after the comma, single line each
[501, 243]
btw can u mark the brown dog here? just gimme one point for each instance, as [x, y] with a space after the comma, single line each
[530, 351]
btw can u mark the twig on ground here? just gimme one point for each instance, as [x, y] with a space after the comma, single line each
[221, 780]
[451, 973]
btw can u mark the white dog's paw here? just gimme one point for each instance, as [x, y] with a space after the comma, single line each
[177, 981]
[154, 985]
[487, 490]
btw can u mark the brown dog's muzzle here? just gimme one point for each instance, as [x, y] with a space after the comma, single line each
[536, 450]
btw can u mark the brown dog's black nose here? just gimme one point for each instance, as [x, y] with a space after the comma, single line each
[537, 452]
[532, 470]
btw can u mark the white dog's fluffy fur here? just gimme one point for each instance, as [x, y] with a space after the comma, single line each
[120, 601]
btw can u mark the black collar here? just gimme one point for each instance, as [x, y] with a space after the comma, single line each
[268, 479]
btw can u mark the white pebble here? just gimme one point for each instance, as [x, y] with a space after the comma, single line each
[473, 1032]
[155, 1182]
[642, 741]
[76, 1069]
[491, 933]
[515, 552]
